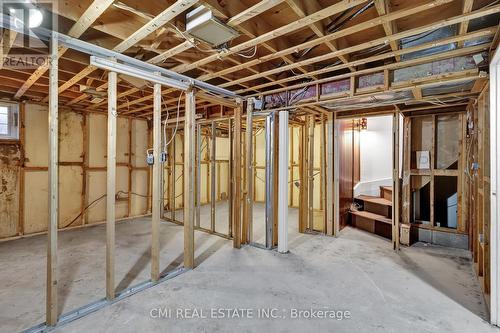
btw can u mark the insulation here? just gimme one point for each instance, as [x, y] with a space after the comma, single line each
[427, 37]
[434, 68]
[382, 99]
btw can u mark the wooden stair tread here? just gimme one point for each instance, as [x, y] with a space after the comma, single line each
[376, 200]
[372, 216]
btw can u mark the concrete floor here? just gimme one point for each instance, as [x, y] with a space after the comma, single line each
[422, 289]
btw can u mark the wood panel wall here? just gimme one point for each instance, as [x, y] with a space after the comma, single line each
[478, 188]
[349, 173]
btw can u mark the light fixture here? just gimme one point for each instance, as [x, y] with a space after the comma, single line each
[203, 25]
[35, 17]
[363, 124]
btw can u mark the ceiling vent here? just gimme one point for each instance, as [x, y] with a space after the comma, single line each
[203, 25]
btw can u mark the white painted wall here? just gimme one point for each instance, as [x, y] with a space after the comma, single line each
[375, 156]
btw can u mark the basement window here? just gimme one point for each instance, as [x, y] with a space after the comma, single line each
[9, 121]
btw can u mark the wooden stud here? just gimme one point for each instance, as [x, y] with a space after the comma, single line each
[22, 143]
[395, 181]
[303, 197]
[129, 199]
[213, 187]
[85, 159]
[329, 175]
[237, 176]
[336, 176]
[189, 181]
[53, 175]
[310, 177]
[111, 187]
[157, 186]
[248, 206]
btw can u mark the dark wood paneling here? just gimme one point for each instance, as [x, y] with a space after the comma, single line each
[349, 167]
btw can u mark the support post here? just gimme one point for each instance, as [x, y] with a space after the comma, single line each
[494, 189]
[157, 185]
[189, 152]
[395, 180]
[283, 183]
[336, 176]
[329, 175]
[310, 171]
[247, 223]
[230, 177]
[303, 210]
[198, 174]
[110, 188]
[270, 173]
[212, 176]
[51, 301]
[237, 176]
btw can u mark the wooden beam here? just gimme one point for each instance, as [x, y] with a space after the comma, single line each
[84, 22]
[463, 27]
[331, 55]
[253, 11]
[53, 175]
[390, 27]
[111, 187]
[286, 29]
[304, 8]
[157, 185]
[154, 24]
[189, 179]
[330, 37]
[237, 175]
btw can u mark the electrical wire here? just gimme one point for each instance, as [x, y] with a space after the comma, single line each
[248, 56]
[99, 199]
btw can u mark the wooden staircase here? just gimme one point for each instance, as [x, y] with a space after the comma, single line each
[375, 213]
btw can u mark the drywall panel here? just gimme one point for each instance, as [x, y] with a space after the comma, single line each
[139, 142]
[70, 137]
[139, 203]
[9, 195]
[36, 201]
[97, 140]
[36, 135]
[70, 195]
[122, 140]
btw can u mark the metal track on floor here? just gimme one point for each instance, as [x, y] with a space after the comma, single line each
[85, 310]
